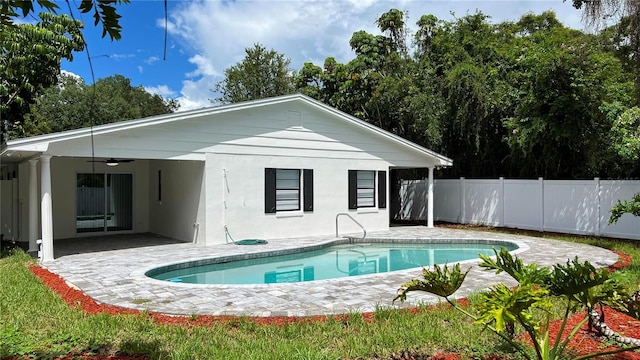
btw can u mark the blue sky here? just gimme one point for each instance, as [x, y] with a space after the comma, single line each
[207, 36]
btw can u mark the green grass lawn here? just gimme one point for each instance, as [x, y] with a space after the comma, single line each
[37, 323]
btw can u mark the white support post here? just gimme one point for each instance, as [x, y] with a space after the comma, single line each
[33, 205]
[430, 200]
[46, 208]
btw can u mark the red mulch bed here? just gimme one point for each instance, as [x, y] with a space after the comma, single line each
[584, 342]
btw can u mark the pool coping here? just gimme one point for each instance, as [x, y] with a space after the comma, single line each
[118, 277]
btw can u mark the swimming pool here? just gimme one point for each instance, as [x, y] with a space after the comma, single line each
[336, 261]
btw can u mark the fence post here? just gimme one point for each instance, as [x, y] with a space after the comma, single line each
[598, 199]
[541, 222]
[463, 210]
[501, 198]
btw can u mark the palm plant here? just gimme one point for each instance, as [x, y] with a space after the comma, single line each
[577, 285]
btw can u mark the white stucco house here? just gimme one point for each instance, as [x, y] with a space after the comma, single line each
[274, 168]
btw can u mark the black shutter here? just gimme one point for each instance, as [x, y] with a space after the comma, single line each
[307, 179]
[269, 190]
[353, 189]
[382, 189]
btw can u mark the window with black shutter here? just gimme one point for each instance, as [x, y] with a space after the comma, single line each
[362, 189]
[286, 190]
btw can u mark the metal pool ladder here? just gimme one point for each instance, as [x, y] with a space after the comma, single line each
[364, 235]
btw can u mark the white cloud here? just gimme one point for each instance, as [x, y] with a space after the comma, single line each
[118, 56]
[195, 94]
[204, 67]
[217, 32]
[162, 90]
[151, 60]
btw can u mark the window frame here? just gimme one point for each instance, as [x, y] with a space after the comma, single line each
[297, 190]
[304, 190]
[371, 177]
[378, 191]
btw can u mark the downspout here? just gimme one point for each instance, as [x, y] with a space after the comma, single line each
[225, 190]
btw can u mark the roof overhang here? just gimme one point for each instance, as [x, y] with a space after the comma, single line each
[22, 149]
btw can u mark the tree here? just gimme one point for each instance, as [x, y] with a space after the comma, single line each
[262, 73]
[522, 99]
[626, 134]
[104, 12]
[382, 85]
[596, 12]
[466, 63]
[72, 104]
[558, 127]
[30, 57]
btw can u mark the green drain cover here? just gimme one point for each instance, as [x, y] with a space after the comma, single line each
[250, 242]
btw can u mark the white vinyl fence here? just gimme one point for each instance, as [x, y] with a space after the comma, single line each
[567, 206]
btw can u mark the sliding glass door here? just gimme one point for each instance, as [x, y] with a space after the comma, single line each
[104, 202]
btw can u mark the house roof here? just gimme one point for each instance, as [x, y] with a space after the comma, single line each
[21, 149]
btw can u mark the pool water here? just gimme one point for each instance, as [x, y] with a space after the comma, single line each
[329, 263]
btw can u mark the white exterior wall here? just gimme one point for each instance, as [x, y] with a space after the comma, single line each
[180, 212]
[245, 215]
[23, 200]
[9, 208]
[292, 138]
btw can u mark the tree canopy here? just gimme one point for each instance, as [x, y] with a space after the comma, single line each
[104, 12]
[30, 57]
[529, 98]
[262, 73]
[72, 104]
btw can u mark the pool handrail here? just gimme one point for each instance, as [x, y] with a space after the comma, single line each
[352, 219]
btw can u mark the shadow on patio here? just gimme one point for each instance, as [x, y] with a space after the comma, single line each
[64, 247]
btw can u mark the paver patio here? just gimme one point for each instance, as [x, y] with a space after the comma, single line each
[105, 269]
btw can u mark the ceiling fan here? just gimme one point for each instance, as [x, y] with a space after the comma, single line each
[112, 161]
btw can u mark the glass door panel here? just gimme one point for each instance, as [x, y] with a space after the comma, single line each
[119, 202]
[90, 202]
[104, 202]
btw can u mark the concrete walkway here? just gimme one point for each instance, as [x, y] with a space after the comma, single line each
[117, 277]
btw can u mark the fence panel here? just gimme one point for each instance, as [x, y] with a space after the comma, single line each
[523, 204]
[413, 203]
[446, 199]
[571, 207]
[568, 206]
[482, 202]
[610, 192]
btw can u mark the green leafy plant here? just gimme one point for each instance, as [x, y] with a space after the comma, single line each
[578, 285]
[623, 207]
